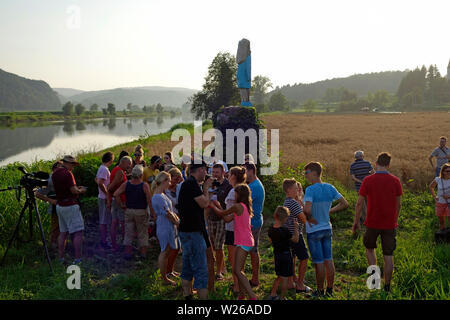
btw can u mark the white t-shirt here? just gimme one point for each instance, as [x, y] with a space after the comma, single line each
[443, 187]
[230, 200]
[103, 173]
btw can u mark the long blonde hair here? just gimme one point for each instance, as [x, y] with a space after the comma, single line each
[160, 178]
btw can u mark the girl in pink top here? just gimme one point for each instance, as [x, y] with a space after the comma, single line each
[243, 238]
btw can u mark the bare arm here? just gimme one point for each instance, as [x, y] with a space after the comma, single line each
[116, 181]
[343, 204]
[358, 211]
[117, 194]
[355, 179]
[235, 208]
[399, 203]
[101, 185]
[431, 161]
[45, 198]
[77, 190]
[295, 236]
[308, 213]
[432, 187]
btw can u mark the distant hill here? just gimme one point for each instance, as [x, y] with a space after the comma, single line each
[174, 97]
[359, 83]
[21, 94]
[67, 92]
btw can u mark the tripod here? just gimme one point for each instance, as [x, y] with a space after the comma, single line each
[30, 204]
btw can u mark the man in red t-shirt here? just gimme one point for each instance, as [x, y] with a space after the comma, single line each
[118, 177]
[383, 193]
[67, 208]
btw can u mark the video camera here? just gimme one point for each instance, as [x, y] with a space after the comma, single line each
[31, 180]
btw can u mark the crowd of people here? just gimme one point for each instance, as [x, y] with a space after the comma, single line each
[199, 209]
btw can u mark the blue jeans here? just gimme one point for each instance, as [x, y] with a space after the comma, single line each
[319, 244]
[194, 259]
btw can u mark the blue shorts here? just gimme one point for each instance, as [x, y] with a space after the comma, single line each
[438, 172]
[194, 259]
[245, 248]
[319, 244]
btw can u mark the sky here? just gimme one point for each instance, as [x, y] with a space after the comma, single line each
[95, 45]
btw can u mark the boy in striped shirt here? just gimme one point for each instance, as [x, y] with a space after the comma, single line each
[293, 202]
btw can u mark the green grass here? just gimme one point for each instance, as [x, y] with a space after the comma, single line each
[421, 266]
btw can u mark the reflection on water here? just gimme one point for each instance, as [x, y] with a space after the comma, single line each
[50, 141]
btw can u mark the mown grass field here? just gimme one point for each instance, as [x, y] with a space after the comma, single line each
[421, 266]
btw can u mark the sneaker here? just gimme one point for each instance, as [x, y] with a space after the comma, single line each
[387, 287]
[329, 292]
[76, 261]
[273, 298]
[317, 294]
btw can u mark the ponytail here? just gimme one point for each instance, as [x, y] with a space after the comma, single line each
[160, 178]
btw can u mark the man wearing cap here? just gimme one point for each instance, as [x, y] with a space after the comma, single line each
[67, 208]
[191, 204]
[360, 169]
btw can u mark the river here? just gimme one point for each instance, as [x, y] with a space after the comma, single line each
[36, 141]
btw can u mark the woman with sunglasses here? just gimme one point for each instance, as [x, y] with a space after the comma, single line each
[139, 156]
[442, 182]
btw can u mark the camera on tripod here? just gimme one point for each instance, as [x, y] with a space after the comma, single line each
[31, 180]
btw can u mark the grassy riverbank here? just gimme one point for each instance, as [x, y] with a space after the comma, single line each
[421, 266]
[12, 118]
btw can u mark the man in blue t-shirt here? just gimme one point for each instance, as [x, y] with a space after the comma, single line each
[258, 195]
[318, 200]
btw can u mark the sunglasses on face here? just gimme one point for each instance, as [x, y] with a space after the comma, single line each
[138, 155]
[307, 171]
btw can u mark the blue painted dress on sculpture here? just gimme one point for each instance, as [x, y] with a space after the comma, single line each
[244, 76]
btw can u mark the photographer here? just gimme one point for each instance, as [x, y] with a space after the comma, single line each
[48, 195]
[69, 213]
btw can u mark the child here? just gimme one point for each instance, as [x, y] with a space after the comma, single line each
[293, 202]
[243, 238]
[281, 239]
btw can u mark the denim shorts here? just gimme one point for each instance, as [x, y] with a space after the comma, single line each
[194, 259]
[319, 244]
[245, 248]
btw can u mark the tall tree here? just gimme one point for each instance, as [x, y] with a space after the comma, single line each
[261, 85]
[220, 87]
[79, 109]
[68, 108]
[94, 107]
[111, 108]
[278, 102]
[159, 108]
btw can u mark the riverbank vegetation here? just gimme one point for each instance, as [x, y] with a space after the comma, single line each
[421, 266]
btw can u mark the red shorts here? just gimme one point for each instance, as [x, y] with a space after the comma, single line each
[442, 209]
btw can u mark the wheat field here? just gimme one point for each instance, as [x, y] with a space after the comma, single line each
[332, 140]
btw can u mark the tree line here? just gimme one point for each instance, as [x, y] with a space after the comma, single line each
[78, 109]
[418, 88]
